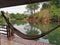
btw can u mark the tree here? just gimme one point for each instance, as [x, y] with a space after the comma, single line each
[45, 6]
[32, 7]
[56, 3]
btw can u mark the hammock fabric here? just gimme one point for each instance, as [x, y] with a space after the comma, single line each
[29, 37]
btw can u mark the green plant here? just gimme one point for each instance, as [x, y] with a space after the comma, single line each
[32, 32]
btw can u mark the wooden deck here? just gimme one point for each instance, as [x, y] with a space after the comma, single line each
[19, 41]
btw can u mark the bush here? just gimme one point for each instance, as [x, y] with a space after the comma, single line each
[32, 32]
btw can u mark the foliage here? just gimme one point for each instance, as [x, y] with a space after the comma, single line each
[46, 5]
[32, 32]
[14, 18]
[55, 13]
[18, 22]
[32, 7]
[2, 21]
[56, 3]
[12, 15]
[54, 37]
[54, 17]
[18, 16]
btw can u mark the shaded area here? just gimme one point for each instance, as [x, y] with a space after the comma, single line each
[7, 3]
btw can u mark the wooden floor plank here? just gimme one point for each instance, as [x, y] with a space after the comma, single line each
[19, 41]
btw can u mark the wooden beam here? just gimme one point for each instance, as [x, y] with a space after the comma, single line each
[7, 3]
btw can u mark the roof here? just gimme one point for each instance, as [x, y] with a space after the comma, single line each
[7, 3]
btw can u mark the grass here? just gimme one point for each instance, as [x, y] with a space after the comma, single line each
[53, 37]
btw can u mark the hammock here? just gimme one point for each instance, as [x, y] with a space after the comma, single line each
[29, 37]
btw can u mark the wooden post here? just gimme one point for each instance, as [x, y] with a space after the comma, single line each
[8, 31]
[10, 34]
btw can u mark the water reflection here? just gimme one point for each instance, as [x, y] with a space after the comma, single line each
[25, 27]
